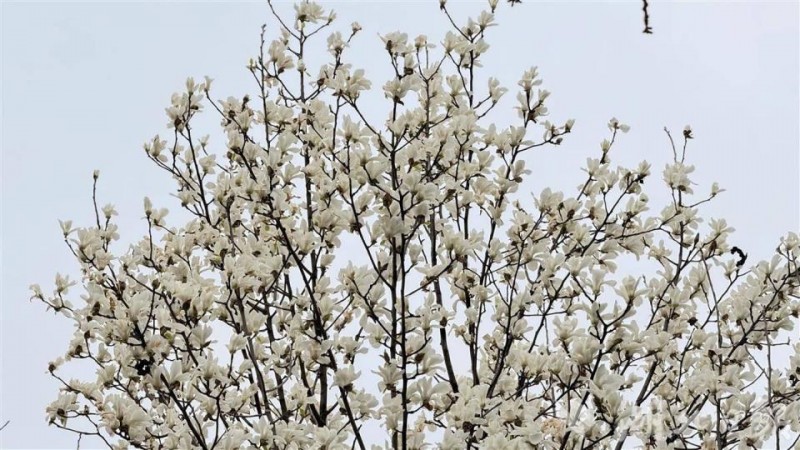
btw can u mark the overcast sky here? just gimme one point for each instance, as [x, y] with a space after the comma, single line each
[85, 84]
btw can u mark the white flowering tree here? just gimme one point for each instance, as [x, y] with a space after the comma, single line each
[357, 281]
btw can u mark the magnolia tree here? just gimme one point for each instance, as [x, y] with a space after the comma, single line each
[351, 280]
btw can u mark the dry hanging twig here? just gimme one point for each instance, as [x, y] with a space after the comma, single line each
[647, 28]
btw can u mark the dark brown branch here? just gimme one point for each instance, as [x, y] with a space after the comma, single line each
[647, 28]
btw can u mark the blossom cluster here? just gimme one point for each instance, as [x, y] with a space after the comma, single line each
[342, 273]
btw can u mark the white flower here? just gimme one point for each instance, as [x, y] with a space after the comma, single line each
[345, 376]
[61, 408]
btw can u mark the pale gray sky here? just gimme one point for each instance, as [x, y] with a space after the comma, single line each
[85, 84]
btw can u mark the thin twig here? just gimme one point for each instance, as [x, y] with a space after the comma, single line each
[647, 28]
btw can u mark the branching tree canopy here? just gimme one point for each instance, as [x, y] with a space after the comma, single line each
[351, 280]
